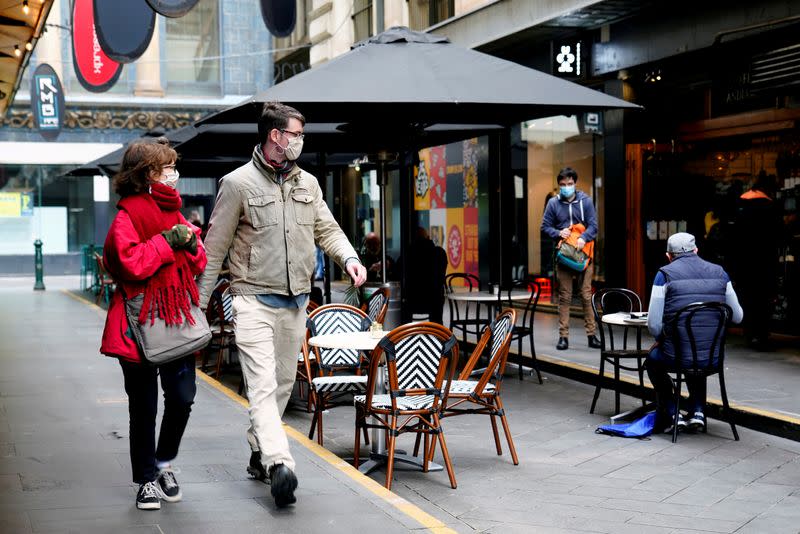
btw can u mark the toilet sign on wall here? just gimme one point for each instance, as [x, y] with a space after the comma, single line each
[47, 101]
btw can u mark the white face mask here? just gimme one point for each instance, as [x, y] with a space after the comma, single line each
[171, 179]
[294, 148]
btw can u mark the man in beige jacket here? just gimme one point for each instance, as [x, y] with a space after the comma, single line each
[268, 216]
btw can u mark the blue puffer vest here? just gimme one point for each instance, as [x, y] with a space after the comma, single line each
[691, 279]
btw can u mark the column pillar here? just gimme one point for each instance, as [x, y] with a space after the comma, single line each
[148, 69]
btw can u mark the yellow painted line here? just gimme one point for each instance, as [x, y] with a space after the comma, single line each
[401, 504]
[82, 300]
[711, 400]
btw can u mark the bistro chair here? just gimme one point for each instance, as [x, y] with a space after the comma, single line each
[615, 350]
[104, 282]
[338, 371]
[482, 396]
[525, 329]
[468, 319]
[698, 336]
[219, 314]
[420, 363]
[303, 379]
[377, 305]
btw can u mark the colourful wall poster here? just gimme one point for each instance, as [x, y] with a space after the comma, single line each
[16, 204]
[471, 173]
[422, 182]
[438, 175]
[437, 226]
[471, 241]
[454, 240]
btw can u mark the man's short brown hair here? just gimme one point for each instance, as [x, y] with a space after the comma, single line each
[141, 159]
[276, 116]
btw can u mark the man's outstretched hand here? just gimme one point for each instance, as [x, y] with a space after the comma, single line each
[357, 272]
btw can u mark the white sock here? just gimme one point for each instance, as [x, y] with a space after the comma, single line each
[162, 465]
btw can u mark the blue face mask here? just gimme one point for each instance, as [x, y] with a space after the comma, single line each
[567, 191]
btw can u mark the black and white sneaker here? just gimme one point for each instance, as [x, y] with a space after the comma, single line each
[148, 497]
[681, 423]
[255, 468]
[697, 423]
[283, 482]
[168, 485]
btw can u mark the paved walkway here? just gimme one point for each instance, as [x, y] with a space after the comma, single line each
[64, 465]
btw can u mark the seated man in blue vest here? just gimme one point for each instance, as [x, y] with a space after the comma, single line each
[687, 279]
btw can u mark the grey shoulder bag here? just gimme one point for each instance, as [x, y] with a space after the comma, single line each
[160, 343]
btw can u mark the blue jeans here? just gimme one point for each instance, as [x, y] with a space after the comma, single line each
[658, 367]
[141, 385]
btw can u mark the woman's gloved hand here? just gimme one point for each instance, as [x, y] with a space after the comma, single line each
[179, 236]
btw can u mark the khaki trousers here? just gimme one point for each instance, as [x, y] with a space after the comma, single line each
[565, 279]
[268, 340]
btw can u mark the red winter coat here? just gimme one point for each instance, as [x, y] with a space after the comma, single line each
[137, 261]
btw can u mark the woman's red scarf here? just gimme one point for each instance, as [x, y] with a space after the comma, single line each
[169, 290]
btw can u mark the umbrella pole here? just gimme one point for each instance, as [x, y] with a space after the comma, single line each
[383, 178]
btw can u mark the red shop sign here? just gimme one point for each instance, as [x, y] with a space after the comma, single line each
[95, 70]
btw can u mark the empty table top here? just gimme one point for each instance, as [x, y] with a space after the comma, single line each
[347, 340]
[485, 296]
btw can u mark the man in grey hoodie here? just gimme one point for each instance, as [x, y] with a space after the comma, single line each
[268, 218]
[562, 211]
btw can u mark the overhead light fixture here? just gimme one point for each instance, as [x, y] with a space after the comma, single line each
[17, 51]
[25, 8]
[29, 46]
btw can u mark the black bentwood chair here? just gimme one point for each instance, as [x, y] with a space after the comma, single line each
[525, 328]
[701, 328]
[468, 318]
[615, 300]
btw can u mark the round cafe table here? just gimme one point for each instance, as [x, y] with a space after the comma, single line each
[624, 319]
[367, 341]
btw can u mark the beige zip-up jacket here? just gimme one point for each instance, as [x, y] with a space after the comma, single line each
[269, 231]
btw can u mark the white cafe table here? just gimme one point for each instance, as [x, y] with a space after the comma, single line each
[367, 342]
[465, 295]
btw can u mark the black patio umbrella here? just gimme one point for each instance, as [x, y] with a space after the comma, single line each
[397, 84]
[406, 77]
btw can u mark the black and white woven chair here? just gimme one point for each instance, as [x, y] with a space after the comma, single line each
[338, 371]
[377, 305]
[482, 396]
[420, 360]
[219, 314]
[303, 378]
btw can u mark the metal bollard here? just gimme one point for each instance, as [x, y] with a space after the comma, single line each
[38, 262]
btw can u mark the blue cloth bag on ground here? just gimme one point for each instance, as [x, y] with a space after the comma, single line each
[640, 428]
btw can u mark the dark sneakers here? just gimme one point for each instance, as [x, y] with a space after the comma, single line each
[283, 482]
[255, 468]
[594, 343]
[168, 484]
[563, 344]
[148, 497]
[681, 423]
[697, 423]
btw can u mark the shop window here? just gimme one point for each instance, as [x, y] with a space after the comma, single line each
[554, 143]
[362, 19]
[423, 14]
[39, 202]
[192, 51]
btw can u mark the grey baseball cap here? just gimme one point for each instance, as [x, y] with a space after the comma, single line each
[681, 243]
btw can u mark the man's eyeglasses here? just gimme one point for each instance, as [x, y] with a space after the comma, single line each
[295, 135]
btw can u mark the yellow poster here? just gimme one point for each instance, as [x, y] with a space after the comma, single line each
[16, 204]
[422, 182]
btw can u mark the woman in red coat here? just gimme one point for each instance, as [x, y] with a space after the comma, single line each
[151, 249]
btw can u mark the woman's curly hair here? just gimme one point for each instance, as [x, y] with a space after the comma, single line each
[142, 158]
